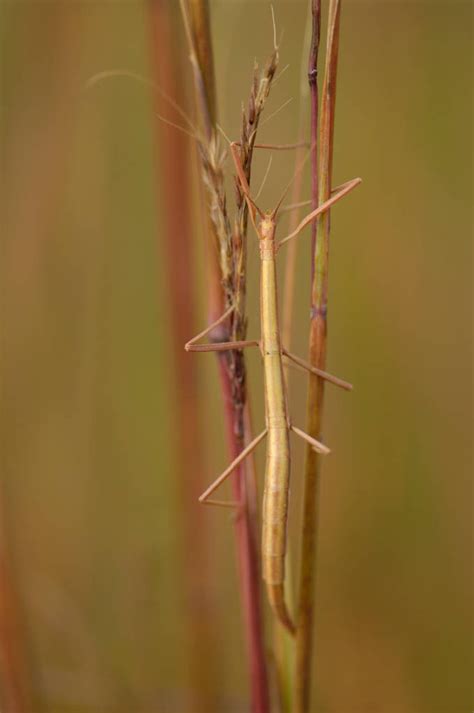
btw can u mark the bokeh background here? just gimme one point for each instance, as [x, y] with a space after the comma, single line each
[110, 560]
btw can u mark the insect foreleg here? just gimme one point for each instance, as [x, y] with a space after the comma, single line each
[253, 208]
[302, 204]
[339, 193]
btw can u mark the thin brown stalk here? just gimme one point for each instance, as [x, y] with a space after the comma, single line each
[284, 645]
[225, 271]
[290, 261]
[321, 189]
[200, 26]
[292, 251]
[174, 183]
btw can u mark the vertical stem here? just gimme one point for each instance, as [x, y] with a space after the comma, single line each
[314, 103]
[174, 183]
[200, 24]
[238, 434]
[291, 255]
[321, 186]
[284, 645]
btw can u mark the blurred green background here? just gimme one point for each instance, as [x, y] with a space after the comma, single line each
[96, 520]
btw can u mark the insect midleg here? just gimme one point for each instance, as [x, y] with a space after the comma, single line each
[189, 345]
[223, 346]
[216, 346]
[318, 372]
[317, 445]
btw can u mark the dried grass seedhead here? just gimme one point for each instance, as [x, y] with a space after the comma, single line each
[230, 243]
[213, 157]
[260, 90]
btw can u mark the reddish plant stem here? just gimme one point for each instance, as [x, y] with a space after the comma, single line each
[175, 194]
[14, 696]
[243, 484]
[243, 488]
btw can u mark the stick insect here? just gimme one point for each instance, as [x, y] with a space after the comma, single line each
[278, 422]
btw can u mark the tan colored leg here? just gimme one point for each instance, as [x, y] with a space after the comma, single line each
[318, 447]
[251, 446]
[282, 147]
[188, 346]
[222, 503]
[339, 193]
[191, 346]
[221, 346]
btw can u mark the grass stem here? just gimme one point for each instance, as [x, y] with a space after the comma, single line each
[232, 374]
[322, 137]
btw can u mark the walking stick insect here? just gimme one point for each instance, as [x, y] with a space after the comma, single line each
[278, 422]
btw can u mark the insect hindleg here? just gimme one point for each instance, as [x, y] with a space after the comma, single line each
[319, 447]
[251, 446]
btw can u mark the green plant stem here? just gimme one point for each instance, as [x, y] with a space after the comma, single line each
[321, 187]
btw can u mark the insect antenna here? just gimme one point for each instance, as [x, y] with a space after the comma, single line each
[262, 185]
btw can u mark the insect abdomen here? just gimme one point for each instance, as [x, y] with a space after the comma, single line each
[275, 504]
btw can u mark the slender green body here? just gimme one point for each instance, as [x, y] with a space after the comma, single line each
[277, 471]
